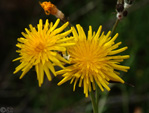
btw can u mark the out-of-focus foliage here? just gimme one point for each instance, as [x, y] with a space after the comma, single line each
[26, 97]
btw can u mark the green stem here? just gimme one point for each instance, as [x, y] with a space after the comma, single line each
[97, 95]
[94, 104]
[102, 101]
[114, 27]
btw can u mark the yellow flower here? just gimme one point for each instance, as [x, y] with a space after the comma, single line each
[93, 60]
[40, 48]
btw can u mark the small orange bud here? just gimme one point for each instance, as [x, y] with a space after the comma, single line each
[49, 8]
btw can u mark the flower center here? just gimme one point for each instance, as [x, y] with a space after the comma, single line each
[86, 57]
[39, 47]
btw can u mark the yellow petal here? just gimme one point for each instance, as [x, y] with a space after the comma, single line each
[118, 51]
[46, 70]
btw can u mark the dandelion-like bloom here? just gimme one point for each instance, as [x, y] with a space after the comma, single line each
[93, 60]
[40, 48]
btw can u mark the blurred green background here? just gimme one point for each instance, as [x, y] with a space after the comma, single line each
[24, 96]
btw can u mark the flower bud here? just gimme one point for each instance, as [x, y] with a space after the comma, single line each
[119, 7]
[50, 8]
[119, 15]
[125, 13]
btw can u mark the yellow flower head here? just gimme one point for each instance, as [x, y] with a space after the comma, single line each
[39, 47]
[93, 60]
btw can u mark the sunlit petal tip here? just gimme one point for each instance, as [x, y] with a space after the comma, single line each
[86, 95]
[23, 34]
[109, 89]
[30, 25]
[127, 56]
[67, 23]
[108, 34]
[78, 25]
[39, 85]
[122, 81]
[128, 67]
[20, 77]
[47, 20]
[59, 84]
[102, 90]
[27, 31]
[58, 20]
[14, 60]
[116, 35]
[99, 29]
[40, 21]
[72, 28]
[14, 72]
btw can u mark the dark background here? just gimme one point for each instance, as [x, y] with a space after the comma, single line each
[24, 96]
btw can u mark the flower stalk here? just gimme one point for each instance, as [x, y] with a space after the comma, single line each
[114, 27]
[94, 102]
[97, 95]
